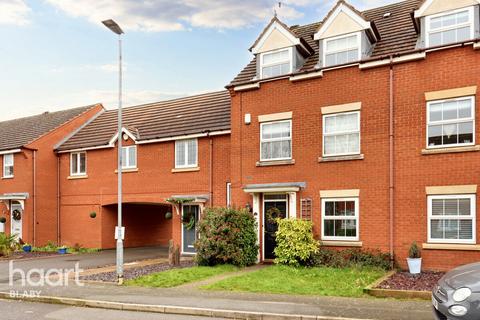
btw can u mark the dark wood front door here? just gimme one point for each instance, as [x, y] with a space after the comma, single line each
[275, 206]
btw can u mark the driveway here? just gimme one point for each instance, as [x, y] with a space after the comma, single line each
[85, 261]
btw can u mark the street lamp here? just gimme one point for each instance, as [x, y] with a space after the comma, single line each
[119, 230]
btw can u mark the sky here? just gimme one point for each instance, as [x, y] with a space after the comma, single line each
[56, 54]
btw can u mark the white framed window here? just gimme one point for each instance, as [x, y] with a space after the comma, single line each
[451, 123]
[341, 134]
[340, 219]
[276, 63]
[342, 49]
[129, 157]
[8, 160]
[186, 153]
[78, 163]
[449, 27]
[229, 194]
[451, 219]
[276, 140]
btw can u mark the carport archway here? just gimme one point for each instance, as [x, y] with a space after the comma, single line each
[145, 224]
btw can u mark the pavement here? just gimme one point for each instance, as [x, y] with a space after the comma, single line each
[16, 310]
[86, 261]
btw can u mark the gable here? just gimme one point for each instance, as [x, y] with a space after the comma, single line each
[342, 24]
[275, 40]
[430, 7]
[342, 19]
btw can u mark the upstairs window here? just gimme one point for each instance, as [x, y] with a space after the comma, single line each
[8, 165]
[341, 134]
[276, 140]
[341, 50]
[186, 153]
[129, 157]
[451, 123]
[276, 63]
[451, 218]
[78, 164]
[454, 26]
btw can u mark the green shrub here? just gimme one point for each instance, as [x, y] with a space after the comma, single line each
[350, 258]
[295, 242]
[49, 247]
[8, 244]
[414, 251]
[227, 236]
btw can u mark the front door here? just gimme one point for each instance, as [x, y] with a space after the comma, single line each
[16, 219]
[275, 206]
[190, 217]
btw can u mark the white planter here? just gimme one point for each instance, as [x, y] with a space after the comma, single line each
[414, 265]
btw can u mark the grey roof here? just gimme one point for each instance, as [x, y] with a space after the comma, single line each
[397, 35]
[302, 185]
[20, 132]
[184, 116]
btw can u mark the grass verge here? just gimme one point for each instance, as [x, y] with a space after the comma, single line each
[348, 282]
[176, 277]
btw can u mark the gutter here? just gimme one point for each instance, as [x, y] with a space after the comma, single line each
[391, 165]
[210, 182]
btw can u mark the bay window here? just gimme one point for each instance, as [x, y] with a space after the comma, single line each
[276, 63]
[8, 165]
[78, 164]
[276, 140]
[186, 153]
[340, 219]
[341, 50]
[451, 27]
[129, 157]
[341, 134]
[451, 219]
[451, 122]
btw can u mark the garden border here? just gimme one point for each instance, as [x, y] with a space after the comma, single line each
[396, 294]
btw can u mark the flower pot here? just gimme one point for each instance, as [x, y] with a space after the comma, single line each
[62, 250]
[414, 265]
[27, 248]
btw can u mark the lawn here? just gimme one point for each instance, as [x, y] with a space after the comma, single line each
[347, 282]
[176, 277]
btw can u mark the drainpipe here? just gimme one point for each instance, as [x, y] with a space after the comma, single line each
[58, 200]
[210, 182]
[391, 164]
[34, 197]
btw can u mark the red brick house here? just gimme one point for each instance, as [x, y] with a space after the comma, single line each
[177, 149]
[365, 123]
[29, 171]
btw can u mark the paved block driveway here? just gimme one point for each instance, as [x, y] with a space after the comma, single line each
[86, 261]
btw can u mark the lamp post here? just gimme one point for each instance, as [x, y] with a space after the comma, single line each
[119, 232]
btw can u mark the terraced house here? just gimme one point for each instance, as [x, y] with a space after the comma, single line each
[365, 123]
[29, 181]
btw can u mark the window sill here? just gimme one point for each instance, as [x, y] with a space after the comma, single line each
[342, 158]
[8, 177]
[445, 246]
[77, 177]
[334, 243]
[178, 170]
[275, 163]
[451, 150]
[127, 170]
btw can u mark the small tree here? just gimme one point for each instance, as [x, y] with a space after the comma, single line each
[227, 236]
[414, 251]
[295, 242]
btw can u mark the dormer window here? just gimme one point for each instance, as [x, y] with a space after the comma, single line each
[342, 49]
[449, 27]
[276, 63]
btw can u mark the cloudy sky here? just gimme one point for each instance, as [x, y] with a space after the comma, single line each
[56, 54]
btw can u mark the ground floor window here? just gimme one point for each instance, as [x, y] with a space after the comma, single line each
[451, 219]
[340, 219]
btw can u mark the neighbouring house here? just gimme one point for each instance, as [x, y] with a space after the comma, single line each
[365, 123]
[176, 161]
[29, 171]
